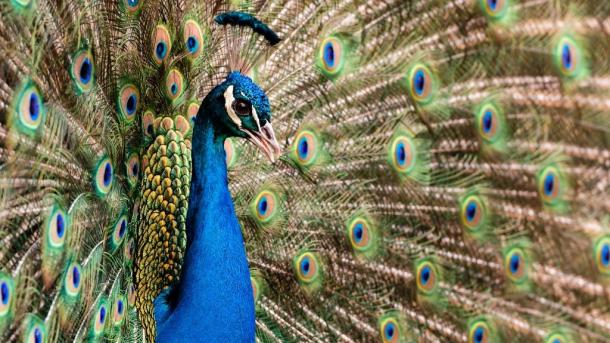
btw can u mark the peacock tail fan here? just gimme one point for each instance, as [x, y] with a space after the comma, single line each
[444, 178]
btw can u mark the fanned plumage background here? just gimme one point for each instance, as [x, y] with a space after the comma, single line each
[445, 177]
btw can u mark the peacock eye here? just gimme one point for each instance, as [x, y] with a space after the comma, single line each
[242, 107]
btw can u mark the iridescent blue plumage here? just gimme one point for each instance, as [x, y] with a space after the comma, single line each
[215, 294]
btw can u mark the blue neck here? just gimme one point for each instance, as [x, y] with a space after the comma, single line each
[213, 301]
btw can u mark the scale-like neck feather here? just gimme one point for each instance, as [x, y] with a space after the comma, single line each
[213, 301]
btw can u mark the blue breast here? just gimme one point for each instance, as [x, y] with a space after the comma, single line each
[213, 301]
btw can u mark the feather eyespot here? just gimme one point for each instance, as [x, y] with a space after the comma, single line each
[473, 212]
[99, 319]
[306, 267]
[37, 334]
[6, 294]
[426, 277]
[559, 336]
[148, 128]
[128, 102]
[34, 329]
[133, 169]
[569, 57]
[72, 280]
[421, 84]
[118, 310]
[29, 109]
[488, 123]
[193, 38]
[83, 71]
[231, 157]
[479, 332]
[363, 235]
[550, 185]
[407, 156]
[161, 44]
[390, 330]
[602, 255]
[103, 176]
[403, 154]
[495, 9]
[118, 232]
[57, 226]
[132, 6]
[359, 234]
[516, 265]
[305, 148]
[555, 338]
[331, 56]
[265, 205]
[174, 84]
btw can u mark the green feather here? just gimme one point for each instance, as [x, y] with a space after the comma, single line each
[482, 329]
[7, 299]
[267, 207]
[501, 12]
[334, 56]
[553, 187]
[517, 261]
[34, 329]
[559, 335]
[475, 215]
[408, 155]
[307, 149]
[28, 109]
[429, 275]
[308, 270]
[491, 125]
[570, 58]
[601, 255]
[56, 233]
[100, 316]
[363, 236]
[393, 329]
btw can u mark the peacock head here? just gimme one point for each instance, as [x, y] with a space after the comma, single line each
[240, 108]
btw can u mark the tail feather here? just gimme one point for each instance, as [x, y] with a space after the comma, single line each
[445, 175]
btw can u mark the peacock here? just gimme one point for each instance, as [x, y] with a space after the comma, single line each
[305, 171]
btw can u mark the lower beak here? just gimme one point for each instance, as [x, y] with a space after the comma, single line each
[265, 140]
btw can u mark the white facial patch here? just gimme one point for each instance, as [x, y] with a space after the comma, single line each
[255, 115]
[229, 98]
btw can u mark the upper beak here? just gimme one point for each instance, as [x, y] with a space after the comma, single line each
[265, 140]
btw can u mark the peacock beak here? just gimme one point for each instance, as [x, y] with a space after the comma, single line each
[265, 140]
